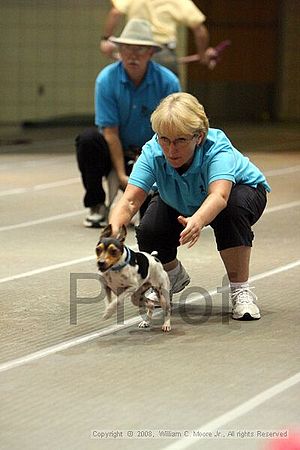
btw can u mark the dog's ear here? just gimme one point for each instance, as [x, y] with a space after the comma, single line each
[106, 232]
[122, 234]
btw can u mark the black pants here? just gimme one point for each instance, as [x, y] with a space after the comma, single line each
[159, 228]
[94, 163]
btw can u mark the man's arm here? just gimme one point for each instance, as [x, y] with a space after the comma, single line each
[112, 138]
[207, 55]
[112, 21]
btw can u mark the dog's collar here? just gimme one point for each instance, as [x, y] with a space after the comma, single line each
[118, 267]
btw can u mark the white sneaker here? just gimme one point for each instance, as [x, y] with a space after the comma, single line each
[243, 305]
[96, 218]
[151, 295]
[179, 281]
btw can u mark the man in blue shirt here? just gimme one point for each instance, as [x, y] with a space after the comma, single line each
[126, 94]
[201, 180]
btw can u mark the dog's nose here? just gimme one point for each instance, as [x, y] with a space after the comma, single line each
[101, 265]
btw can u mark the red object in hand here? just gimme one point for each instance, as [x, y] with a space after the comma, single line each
[222, 46]
[218, 48]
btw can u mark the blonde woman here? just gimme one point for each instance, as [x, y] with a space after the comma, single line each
[201, 180]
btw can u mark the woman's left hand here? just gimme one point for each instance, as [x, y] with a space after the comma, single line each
[191, 232]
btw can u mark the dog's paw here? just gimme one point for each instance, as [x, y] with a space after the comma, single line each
[144, 324]
[166, 327]
[107, 314]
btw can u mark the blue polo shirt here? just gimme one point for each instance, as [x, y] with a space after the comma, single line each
[216, 159]
[118, 102]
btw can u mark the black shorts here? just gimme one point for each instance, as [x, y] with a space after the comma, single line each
[159, 228]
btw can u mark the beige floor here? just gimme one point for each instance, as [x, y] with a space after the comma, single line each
[60, 381]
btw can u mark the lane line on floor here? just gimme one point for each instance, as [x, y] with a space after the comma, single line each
[281, 207]
[18, 165]
[89, 258]
[80, 212]
[69, 181]
[282, 171]
[30, 273]
[237, 412]
[41, 187]
[44, 220]
[259, 276]
[13, 191]
[114, 328]
[55, 184]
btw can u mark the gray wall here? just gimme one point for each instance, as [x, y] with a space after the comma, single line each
[50, 57]
[288, 88]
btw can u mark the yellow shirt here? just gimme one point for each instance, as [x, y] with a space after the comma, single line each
[164, 15]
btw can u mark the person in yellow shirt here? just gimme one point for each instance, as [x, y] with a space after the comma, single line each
[164, 16]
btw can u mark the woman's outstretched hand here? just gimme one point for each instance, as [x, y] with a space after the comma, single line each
[191, 232]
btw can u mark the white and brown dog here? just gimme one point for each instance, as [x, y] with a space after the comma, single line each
[130, 274]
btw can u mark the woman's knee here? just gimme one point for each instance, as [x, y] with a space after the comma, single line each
[232, 228]
[230, 215]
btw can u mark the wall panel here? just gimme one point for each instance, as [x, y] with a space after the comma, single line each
[242, 86]
[49, 57]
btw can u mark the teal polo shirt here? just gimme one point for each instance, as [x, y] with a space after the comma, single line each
[119, 103]
[215, 159]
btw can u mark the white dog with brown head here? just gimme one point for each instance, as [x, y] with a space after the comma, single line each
[130, 274]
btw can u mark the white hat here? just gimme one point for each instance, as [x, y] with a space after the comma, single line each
[137, 32]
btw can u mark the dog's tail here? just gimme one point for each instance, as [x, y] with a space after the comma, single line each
[155, 255]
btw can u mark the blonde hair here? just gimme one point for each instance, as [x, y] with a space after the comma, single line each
[179, 114]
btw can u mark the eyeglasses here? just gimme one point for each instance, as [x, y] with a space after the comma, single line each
[178, 143]
[139, 49]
